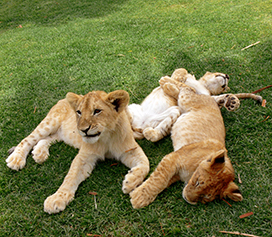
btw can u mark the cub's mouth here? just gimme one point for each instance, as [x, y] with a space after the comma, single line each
[93, 135]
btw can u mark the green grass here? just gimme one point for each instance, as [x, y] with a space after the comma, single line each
[48, 48]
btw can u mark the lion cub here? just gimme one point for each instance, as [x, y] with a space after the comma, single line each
[199, 159]
[96, 123]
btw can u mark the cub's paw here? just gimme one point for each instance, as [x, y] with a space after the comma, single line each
[180, 75]
[140, 197]
[171, 90]
[133, 178]
[16, 161]
[56, 203]
[231, 102]
[167, 79]
[152, 134]
[138, 133]
[40, 154]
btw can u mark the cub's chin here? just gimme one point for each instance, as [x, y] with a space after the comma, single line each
[91, 138]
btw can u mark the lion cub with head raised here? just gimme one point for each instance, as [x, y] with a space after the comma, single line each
[103, 131]
[199, 159]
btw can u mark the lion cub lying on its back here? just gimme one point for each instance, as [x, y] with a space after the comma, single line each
[199, 159]
[103, 131]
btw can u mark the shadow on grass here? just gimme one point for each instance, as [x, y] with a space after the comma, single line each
[249, 71]
[17, 12]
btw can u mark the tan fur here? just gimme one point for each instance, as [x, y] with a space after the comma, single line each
[98, 125]
[199, 159]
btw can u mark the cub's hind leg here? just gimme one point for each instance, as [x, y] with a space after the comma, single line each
[40, 151]
[167, 119]
[17, 159]
[136, 119]
[48, 126]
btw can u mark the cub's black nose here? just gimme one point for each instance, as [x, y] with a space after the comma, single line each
[86, 130]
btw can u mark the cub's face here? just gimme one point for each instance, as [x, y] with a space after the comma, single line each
[97, 112]
[216, 83]
[212, 179]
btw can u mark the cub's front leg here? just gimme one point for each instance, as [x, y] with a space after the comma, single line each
[138, 163]
[80, 169]
[161, 178]
[229, 101]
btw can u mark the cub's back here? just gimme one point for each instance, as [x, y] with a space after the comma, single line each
[201, 120]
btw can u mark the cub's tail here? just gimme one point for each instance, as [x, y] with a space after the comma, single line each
[249, 96]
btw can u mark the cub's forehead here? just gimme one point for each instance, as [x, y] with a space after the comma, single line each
[93, 98]
[96, 95]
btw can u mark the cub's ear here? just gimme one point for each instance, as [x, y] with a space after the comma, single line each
[73, 99]
[218, 160]
[233, 192]
[119, 99]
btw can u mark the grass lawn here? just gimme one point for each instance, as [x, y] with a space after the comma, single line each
[48, 48]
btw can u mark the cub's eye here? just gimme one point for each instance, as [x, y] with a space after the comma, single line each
[207, 196]
[78, 112]
[199, 182]
[97, 111]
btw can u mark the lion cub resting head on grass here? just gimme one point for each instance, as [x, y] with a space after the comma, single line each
[103, 131]
[199, 159]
